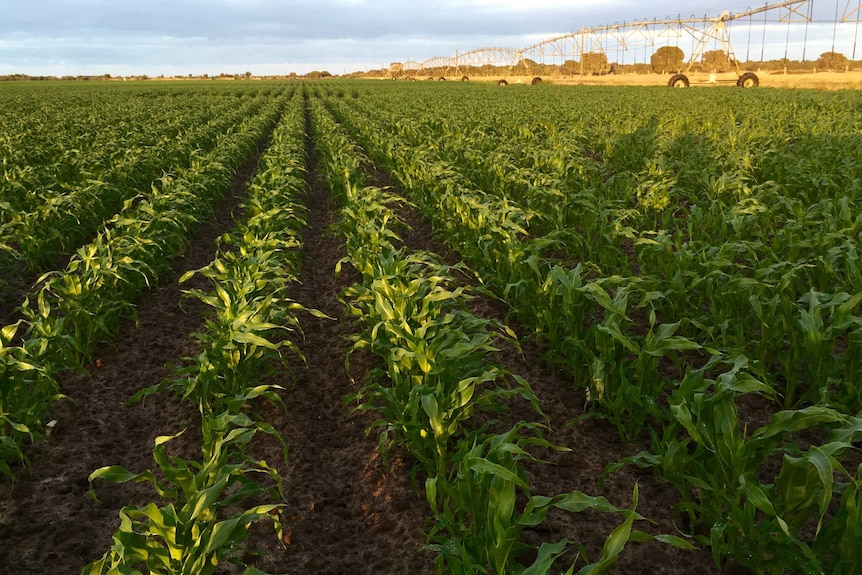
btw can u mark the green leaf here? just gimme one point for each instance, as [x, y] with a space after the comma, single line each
[253, 339]
[480, 465]
[221, 534]
[548, 553]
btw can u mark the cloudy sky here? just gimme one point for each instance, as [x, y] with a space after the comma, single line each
[122, 37]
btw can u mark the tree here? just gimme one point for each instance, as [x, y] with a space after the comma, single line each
[594, 62]
[832, 61]
[716, 60]
[569, 67]
[667, 59]
[526, 66]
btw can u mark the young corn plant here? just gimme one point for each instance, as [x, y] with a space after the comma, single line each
[823, 320]
[435, 355]
[718, 467]
[236, 343]
[430, 392]
[189, 535]
[624, 379]
[27, 389]
[479, 524]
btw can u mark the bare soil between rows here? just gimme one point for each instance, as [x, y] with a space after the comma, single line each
[346, 512]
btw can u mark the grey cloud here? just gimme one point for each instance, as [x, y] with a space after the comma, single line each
[211, 35]
[299, 19]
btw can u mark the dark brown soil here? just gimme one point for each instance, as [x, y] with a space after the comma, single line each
[17, 280]
[346, 512]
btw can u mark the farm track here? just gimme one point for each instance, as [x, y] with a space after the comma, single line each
[48, 522]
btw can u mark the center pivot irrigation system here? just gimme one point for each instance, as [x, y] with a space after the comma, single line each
[576, 48]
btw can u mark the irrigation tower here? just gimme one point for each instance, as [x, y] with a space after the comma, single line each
[635, 41]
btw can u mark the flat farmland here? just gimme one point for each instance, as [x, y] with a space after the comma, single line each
[394, 327]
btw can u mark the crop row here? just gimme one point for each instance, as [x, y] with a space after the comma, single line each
[54, 206]
[57, 135]
[438, 386]
[250, 322]
[75, 308]
[803, 288]
[718, 313]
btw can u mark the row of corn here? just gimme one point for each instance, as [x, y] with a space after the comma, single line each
[786, 299]
[802, 514]
[650, 204]
[53, 206]
[73, 309]
[248, 329]
[438, 388]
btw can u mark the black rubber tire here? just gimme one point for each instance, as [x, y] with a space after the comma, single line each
[748, 80]
[502, 83]
[678, 81]
[441, 79]
[536, 81]
[465, 79]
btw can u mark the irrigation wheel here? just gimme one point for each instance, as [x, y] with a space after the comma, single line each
[536, 81]
[465, 79]
[678, 81]
[502, 83]
[748, 80]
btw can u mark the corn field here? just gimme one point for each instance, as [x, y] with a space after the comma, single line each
[598, 330]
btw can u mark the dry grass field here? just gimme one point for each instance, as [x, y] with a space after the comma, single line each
[768, 79]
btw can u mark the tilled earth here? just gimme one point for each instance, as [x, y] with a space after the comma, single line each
[346, 511]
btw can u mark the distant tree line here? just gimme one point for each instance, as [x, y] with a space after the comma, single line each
[665, 60]
[223, 76]
[19, 77]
